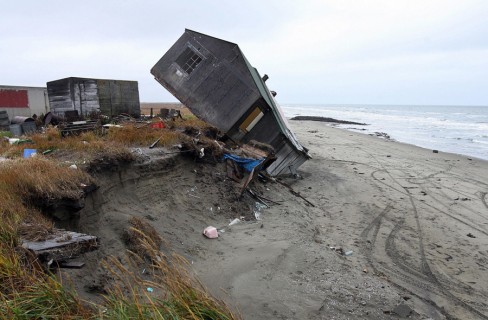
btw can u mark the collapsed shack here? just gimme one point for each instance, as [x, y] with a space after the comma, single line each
[213, 78]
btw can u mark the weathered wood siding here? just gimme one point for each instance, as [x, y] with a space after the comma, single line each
[117, 96]
[215, 81]
[219, 90]
[109, 97]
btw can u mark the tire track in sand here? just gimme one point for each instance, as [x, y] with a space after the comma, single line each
[424, 265]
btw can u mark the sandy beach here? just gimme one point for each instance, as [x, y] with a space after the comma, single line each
[392, 230]
[415, 221]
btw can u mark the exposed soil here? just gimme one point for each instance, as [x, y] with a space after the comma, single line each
[387, 237]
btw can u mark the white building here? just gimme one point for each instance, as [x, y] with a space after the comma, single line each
[23, 101]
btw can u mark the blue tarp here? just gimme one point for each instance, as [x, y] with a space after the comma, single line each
[246, 163]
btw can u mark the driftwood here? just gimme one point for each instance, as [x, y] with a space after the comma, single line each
[293, 192]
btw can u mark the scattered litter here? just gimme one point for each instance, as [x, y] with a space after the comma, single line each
[348, 253]
[155, 143]
[221, 230]
[201, 154]
[471, 235]
[257, 210]
[19, 141]
[77, 127]
[111, 125]
[48, 151]
[211, 232]
[149, 289]
[73, 166]
[13, 140]
[365, 270]
[235, 221]
[157, 125]
[29, 153]
[435, 151]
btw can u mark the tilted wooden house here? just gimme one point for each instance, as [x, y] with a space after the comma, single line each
[87, 96]
[213, 78]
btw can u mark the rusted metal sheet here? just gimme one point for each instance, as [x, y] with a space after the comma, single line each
[88, 96]
[11, 98]
[213, 78]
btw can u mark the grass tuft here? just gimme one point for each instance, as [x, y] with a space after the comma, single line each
[27, 291]
[171, 293]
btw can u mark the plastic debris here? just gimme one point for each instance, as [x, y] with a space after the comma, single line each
[73, 166]
[348, 253]
[29, 153]
[257, 210]
[211, 232]
[149, 289]
[235, 221]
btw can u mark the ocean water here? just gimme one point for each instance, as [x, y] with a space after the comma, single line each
[455, 129]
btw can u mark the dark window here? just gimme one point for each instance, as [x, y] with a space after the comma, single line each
[188, 60]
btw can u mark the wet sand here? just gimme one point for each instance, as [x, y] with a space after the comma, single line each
[416, 222]
[413, 222]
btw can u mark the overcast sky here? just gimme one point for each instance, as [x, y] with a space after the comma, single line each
[321, 52]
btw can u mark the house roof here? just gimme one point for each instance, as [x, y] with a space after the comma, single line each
[277, 112]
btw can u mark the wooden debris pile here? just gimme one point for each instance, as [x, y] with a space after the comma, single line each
[60, 247]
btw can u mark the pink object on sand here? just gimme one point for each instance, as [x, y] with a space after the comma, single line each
[211, 232]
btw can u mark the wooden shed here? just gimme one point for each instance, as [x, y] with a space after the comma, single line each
[87, 96]
[213, 78]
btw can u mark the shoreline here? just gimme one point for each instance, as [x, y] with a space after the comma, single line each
[459, 130]
[335, 123]
[414, 221]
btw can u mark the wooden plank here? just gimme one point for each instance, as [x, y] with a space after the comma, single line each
[64, 245]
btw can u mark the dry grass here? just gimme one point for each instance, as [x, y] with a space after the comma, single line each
[172, 292]
[27, 291]
[138, 233]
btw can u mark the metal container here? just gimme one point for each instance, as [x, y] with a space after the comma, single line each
[16, 129]
[29, 127]
[21, 119]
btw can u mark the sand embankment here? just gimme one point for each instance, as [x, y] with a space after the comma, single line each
[415, 221]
